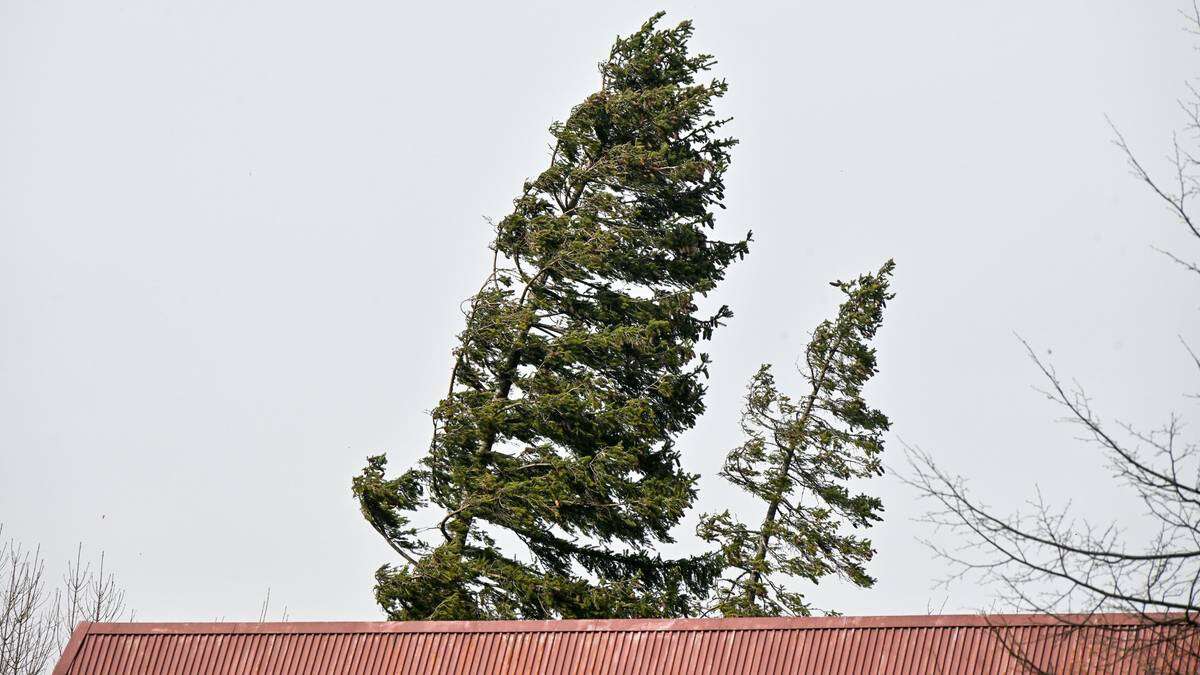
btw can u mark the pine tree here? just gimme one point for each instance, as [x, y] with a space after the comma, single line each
[553, 468]
[797, 460]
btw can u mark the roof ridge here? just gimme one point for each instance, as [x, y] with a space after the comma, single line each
[626, 625]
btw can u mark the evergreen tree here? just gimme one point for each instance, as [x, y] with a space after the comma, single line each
[553, 468]
[797, 460]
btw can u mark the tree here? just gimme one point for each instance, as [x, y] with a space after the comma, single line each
[1048, 561]
[553, 468]
[36, 621]
[797, 460]
[27, 632]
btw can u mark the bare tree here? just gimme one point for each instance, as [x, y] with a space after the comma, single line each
[27, 628]
[87, 594]
[36, 620]
[1048, 561]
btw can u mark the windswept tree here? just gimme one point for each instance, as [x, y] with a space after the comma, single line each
[799, 457]
[553, 471]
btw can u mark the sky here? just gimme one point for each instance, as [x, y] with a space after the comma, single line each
[235, 238]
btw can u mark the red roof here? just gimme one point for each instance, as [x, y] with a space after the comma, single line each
[902, 644]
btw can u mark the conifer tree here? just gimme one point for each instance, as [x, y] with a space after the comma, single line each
[553, 470]
[797, 460]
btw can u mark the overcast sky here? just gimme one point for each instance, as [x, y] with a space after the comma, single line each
[234, 238]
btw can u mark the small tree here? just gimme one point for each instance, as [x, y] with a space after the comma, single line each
[797, 461]
[36, 621]
[28, 632]
[88, 593]
[553, 468]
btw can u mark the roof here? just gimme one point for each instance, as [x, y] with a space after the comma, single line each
[900, 644]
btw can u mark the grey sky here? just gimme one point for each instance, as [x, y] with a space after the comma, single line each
[234, 237]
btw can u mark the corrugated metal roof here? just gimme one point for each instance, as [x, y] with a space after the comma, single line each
[912, 644]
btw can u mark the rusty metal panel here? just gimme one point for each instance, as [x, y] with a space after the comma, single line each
[829, 645]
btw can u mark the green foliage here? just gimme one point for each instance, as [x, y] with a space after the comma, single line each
[798, 458]
[553, 467]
